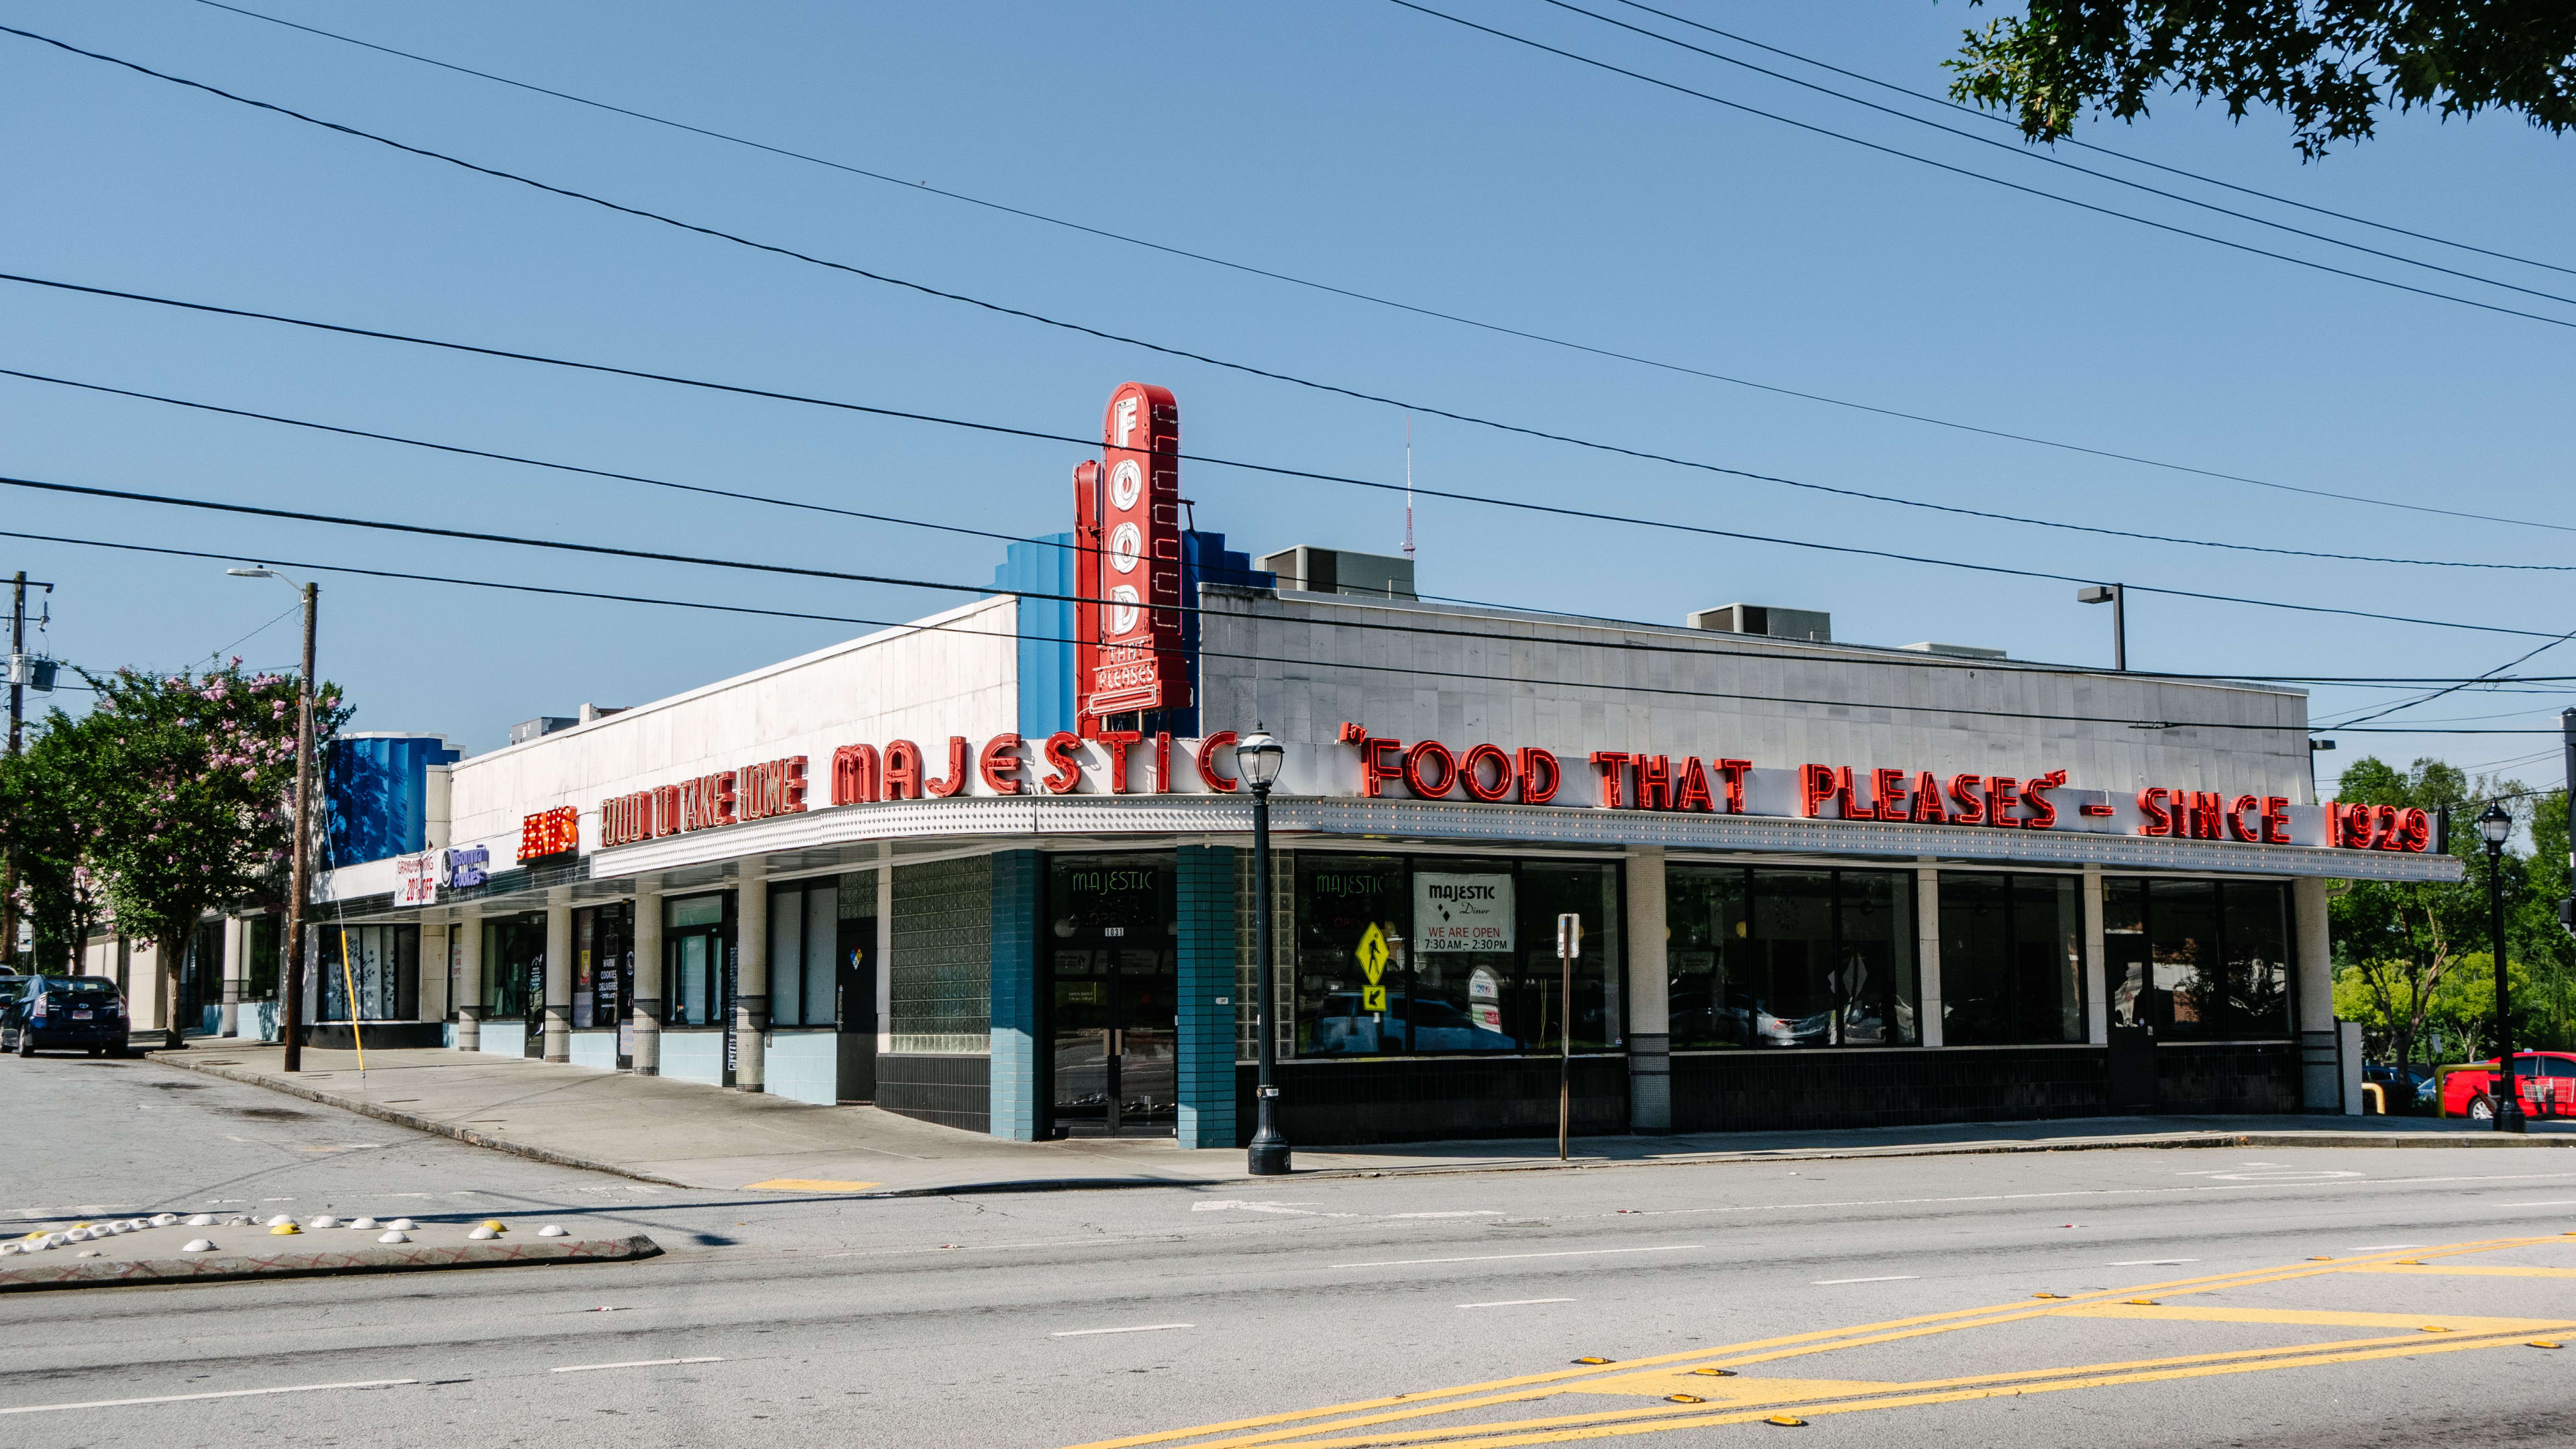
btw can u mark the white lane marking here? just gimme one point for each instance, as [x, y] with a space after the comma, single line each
[2552, 1202]
[1469, 1213]
[583, 1368]
[218, 1394]
[2173, 1262]
[1139, 1328]
[1498, 1257]
[1514, 1302]
[1891, 1278]
[2389, 1247]
[1775, 1207]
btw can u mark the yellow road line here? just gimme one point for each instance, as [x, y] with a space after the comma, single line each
[2321, 1318]
[2427, 1270]
[1422, 1403]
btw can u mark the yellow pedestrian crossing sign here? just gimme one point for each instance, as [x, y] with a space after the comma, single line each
[1372, 955]
[1372, 998]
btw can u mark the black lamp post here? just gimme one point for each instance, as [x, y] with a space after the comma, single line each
[1257, 759]
[2506, 1094]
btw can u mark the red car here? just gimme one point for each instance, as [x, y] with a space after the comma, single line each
[2547, 1081]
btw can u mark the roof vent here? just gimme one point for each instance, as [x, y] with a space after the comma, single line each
[526, 730]
[1954, 651]
[1340, 571]
[1811, 625]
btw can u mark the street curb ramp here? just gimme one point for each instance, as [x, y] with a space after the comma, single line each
[85, 1273]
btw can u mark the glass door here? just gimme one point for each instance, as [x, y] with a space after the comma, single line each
[1112, 998]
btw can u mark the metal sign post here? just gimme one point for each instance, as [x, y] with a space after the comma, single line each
[1569, 944]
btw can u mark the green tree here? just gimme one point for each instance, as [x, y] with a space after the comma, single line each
[46, 822]
[192, 791]
[2400, 940]
[2332, 65]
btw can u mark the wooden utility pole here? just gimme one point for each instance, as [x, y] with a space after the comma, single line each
[290, 992]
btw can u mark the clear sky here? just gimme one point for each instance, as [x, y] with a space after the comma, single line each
[1352, 142]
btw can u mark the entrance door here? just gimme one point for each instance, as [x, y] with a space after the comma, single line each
[857, 990]
[535, 1046]
[1113, 999]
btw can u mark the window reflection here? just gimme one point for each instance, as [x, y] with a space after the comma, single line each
[1772, 958]
[2012, 958]
[2199, 959]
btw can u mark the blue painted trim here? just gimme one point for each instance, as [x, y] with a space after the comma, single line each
[1017, 1078]
[1206, 990]
[1047, 626]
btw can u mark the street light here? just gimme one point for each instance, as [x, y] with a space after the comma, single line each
[290, 991]
[2495, 825]
[2115, 595]
[1257, 759]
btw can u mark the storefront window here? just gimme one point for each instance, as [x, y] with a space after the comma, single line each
[804, 939]
[2012, 959]
[384, 964]
[2199, 959]
[514, 964]
[259, 971]
[1433, 954]
[695, 932]
[1769, 957]
[603, 947]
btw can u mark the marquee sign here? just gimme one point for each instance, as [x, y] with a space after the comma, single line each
[1127, 523]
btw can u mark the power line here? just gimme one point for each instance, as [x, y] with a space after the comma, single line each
[1336, 389]
[1555, 510]
[1500, 329]
[1402, 669]
[1984, 115]
[2046, 159]
[1047, 542]
[2295, 261]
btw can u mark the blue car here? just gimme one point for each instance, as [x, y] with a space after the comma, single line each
[43, 1013]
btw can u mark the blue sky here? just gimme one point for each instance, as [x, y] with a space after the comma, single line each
[1354, 143]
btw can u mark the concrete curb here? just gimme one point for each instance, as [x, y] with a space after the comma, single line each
[419, 1123]
[84, 1273]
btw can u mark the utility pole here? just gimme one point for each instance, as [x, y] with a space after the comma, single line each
[17, 719]
[2567, 733]
[290, 994]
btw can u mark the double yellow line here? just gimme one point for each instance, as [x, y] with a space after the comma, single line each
[1395, 1419]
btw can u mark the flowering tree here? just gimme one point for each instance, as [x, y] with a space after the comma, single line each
[192, 785]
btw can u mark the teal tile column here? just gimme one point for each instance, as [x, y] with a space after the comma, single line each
[1016, 1074]
[1207, 1012]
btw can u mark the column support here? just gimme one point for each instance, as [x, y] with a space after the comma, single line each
[647, 1007]
[1016, 1111]
[885, 950]
[2321, 1085]
[2097, 975]
[1206, 997]
[236, 948]
[751, 975]
[1927, 950]
[469, 983]
[558, 1018]
[1650, 1082]
[432, 1005]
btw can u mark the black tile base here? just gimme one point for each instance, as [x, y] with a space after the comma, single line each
[953, 1091]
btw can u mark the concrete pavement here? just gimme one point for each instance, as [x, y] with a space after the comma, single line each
[684, 1134]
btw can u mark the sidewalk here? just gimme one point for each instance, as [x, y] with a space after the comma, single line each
[686, 1135]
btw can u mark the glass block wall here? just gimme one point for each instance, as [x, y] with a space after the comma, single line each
[1283, 939]
[941, 989]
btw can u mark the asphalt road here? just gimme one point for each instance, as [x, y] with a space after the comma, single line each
[1902, 1288]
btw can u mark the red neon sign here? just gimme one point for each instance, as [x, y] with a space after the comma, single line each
[550, 832]
[1127, 519]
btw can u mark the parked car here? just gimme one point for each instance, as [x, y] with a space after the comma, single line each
[42, 1013]
[2546, 1082]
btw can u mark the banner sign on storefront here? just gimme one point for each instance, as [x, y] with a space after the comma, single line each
[416, 879]
[1461, 912]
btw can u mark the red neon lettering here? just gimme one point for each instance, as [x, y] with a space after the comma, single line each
[1654, 782]
[1375, 768]
[1816, 785]
[2415, 831]
[956, 781]
[903, 771]
[1418, 779]
[2237, 809]
[1887, 794]
[999, 764]
[1216, 747]
[1733, 773]
[2034, 793]
[1613, 765]
[1067, 774]
[854, 775]
[1472, 769]
[1116, 742]
[2151, 804]
[2001, 792]
[2387, 829]
[724, 799]
[1927, 801]
[1163, 762]
[1968, 793]
[2276, 820]
[1539, 775]
[1691, 792]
